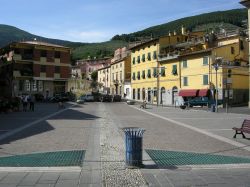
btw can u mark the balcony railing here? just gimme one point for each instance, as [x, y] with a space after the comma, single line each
[169, 56]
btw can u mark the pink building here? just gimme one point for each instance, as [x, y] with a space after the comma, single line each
[90, 65]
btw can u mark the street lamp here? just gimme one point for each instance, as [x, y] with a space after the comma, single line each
[216, 67]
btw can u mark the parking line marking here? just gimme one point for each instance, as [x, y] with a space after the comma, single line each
[223, 139]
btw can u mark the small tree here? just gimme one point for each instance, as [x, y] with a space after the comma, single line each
[94, 77]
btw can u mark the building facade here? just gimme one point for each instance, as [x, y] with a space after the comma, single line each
[88, 66]
[39, 67]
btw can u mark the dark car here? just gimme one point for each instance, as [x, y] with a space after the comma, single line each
[116, 98]
[201, 101]
[39, 97]
[106, 98]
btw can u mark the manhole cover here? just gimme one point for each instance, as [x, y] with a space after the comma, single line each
[47, 159]
[174, 158]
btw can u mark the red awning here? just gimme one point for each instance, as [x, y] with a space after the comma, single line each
[188, 93]
[203, 92]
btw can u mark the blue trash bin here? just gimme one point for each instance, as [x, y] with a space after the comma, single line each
[133, 141]
[213, 108]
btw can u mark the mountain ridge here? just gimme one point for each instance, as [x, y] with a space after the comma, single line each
[213, 20]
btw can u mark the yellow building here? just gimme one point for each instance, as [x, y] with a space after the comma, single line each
[183, 67]
[171, 47]
[198, 72]
[144, 68]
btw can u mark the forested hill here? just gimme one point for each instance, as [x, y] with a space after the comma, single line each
[215, 20]
[230, 18]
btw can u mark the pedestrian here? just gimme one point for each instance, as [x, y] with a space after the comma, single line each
[32, 102]
[25, 102]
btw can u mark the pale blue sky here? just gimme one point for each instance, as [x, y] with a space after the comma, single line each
[99, 20]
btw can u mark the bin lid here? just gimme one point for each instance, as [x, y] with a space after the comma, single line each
[133, 131]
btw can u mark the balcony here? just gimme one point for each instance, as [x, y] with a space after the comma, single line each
[169, 56]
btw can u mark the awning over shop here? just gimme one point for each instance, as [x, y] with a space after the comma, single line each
[203, 92]
[188, 93]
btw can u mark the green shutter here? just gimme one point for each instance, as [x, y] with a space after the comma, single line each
[174, 70]
[205, 79]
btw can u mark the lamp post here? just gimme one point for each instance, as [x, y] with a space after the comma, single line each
[216, 67]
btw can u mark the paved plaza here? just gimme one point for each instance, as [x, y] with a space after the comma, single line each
[97, 129]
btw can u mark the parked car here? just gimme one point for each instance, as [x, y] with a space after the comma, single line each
[201, 101]
[88, 97]
[39, 97]
[81, 100]
[116, 98]
[106, 98]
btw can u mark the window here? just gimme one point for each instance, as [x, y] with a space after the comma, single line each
[57, 54]
[163, 72]
[57, 69]
[149, 73]
[138, 94]
[116, 66]
[143, 58]
[143, 74]
[34, 85]
[21, 85]
[113, 77]
[205, 60]
[17, 51]
[138, 75]
[185, 81]
[133, 77]
[27, 85]
[174, 70]
[232, 50]
[40, 85]
[133, 93]
[27, 54]
[241, 45]
[120, 75]
[155, 72]
[184, 63]
[120, 64]
[133, 60]
[138, 60]
[43, 68]
[205, 79]
[43, 53]
[149, 56]
[154, 55]
[116, 76]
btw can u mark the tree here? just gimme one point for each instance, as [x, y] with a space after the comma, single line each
[94, 76]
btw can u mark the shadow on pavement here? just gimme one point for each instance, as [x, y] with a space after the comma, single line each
[44, 126]
[154, 166]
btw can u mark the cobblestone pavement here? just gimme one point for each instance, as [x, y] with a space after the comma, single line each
[96, 128]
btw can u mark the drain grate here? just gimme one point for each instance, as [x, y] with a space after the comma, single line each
[47, 159]
[174, 158]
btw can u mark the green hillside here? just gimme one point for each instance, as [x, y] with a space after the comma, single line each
[230, 17]
[223, 19]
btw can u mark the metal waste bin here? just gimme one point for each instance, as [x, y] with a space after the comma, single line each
[213, 108]
[133, 141]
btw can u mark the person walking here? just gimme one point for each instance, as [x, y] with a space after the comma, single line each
[25, 102]
[32, 102]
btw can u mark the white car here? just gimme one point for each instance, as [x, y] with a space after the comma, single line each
[88, 97]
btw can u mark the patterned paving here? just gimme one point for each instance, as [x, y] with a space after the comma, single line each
[174, 158]
[46, 159]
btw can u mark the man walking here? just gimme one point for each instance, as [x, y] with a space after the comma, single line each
[32, 103]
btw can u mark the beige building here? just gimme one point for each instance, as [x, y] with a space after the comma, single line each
[120, 72]
[104, 79]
